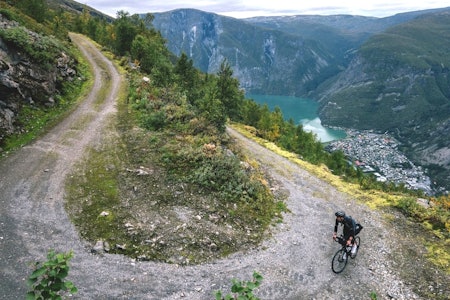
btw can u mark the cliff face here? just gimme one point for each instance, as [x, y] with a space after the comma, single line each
[264, 61]
[25, 80]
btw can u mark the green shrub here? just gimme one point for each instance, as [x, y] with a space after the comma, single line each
[154, 120]
[42, 49]
[410, 207]
[242, 290]
[48, 278]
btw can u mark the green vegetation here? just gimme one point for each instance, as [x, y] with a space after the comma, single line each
[41, 49]
[35, 119]
[172, 128]
[242, 290]
[435, 217]
[48, 278]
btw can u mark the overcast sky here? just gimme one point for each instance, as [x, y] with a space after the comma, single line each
[251, 8]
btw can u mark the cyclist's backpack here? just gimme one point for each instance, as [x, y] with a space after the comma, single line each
[358, 228]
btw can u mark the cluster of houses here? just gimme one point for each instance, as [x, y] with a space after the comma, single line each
[378, 154]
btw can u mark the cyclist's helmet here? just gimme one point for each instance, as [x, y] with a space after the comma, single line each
[340, 214]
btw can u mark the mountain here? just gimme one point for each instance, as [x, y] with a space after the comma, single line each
[288, 55]
[264, 60]
[77, 8]
[399, 82]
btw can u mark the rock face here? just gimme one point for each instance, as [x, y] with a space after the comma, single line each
[265, 61]
[285, 55]
[25, 81]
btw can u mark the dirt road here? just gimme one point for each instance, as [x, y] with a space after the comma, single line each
[295, 262]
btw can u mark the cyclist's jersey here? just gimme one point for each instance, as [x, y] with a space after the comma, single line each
[349, 226]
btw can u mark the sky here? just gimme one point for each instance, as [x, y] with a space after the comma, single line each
[252, 8]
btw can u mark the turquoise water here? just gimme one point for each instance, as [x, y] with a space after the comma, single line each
[302, 111]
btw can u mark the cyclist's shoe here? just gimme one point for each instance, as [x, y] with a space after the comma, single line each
[354, 251]
[344, 257]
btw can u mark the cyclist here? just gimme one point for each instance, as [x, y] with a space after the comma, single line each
[350, 230]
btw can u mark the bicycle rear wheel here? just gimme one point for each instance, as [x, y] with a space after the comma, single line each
[339, 262]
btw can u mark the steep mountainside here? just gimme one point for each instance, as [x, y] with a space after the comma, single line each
[272, 55]
[353, 27]
[400, 82]
[265, 61]
[77, 8]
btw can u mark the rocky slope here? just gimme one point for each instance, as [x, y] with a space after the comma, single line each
[26, 80]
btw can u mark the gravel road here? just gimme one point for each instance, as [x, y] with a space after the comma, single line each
[295, 262]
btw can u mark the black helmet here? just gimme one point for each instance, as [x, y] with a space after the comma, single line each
[340, 214]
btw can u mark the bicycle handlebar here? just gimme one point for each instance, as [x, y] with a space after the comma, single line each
[341, 240]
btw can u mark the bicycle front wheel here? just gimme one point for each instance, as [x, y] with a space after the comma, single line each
[339, 261]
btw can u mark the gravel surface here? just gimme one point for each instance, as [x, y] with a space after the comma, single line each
[295, 262]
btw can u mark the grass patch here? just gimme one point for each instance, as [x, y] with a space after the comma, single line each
[94, 182]
[439, 254]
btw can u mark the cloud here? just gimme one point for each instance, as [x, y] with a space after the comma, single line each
[247, 8]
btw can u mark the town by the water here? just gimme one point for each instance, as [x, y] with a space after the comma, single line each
[378, 154]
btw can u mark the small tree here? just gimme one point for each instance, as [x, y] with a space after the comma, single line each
[47, 280]
[228, 91]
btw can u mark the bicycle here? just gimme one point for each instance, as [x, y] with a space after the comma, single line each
[340, 258]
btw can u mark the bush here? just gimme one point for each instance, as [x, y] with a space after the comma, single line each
[410, 207]
[41, 49]
[47, 280]
[243, 290]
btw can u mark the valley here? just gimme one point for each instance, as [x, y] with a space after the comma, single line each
[378, 154]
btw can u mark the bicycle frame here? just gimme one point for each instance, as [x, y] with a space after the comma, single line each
[340, 258]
